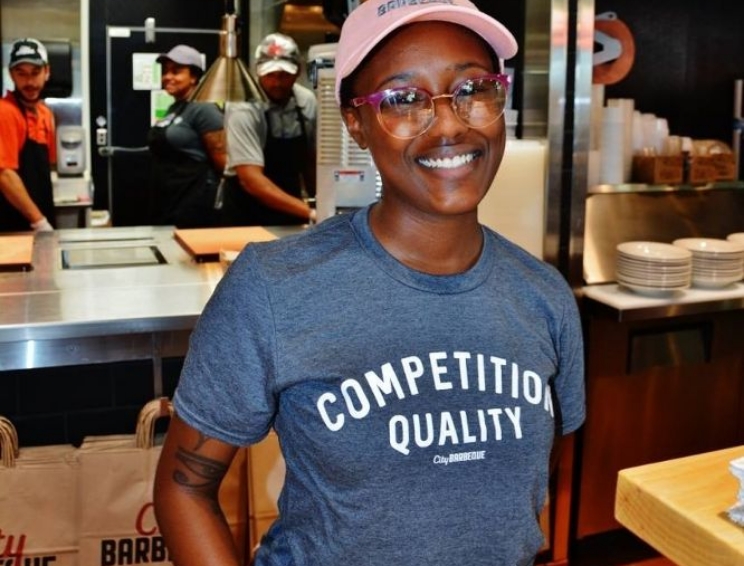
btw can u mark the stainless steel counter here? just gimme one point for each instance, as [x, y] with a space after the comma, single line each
[69, 311]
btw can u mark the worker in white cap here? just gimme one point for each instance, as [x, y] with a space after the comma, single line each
[271, 148]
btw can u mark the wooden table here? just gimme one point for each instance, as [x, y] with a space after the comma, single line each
[679, 507]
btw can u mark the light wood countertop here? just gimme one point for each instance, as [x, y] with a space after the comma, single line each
[679, 507]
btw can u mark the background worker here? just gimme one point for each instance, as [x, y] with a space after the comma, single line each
[27, 143]
[271, 147]
[187, 147]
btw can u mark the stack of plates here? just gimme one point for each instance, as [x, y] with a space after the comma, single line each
[653, 268]
[715, 263]
[737, 238]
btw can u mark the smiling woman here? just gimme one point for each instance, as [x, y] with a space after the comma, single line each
[433, 178]
[386, 344]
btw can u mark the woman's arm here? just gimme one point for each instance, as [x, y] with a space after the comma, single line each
[187, 483]
[214, 142]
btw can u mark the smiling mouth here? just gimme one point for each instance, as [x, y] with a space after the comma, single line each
[449, 162]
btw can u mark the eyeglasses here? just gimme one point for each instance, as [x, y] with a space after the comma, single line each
[407, 112]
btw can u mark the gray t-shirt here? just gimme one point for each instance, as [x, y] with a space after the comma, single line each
[416, 413]
[187, 123]
[246, 127]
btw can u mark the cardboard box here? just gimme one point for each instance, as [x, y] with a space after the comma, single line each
[658, 170]
[702, 170]
[725, 166]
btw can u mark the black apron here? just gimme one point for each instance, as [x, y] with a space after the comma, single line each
[183, 190]
[35, 171]
[284, 162]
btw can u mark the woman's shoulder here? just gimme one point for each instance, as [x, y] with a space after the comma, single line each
[313, 246]
[520, 261]
[206, 116]
[204, 109]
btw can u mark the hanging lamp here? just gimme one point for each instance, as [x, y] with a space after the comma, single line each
[228, 79]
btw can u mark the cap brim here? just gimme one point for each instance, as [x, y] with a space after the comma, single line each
[35, 61]
[178, 61]
[492, 31]
[276, 66]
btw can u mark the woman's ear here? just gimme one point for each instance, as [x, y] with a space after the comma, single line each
[354, 126]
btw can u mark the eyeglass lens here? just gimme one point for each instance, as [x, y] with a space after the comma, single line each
[408, 112]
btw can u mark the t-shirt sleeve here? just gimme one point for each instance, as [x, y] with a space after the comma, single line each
[10, 142]
[207, 118]
[225, 389]
[245, 132]
[570, 382]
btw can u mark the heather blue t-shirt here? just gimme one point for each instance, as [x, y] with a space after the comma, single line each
[415, 412]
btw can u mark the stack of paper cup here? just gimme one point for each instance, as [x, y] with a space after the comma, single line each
[648, 127]
[627, 106]
[612, 158]
[638, 145]
[662, 133]
[595, 133]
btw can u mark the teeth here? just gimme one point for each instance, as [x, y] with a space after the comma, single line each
[448, 162]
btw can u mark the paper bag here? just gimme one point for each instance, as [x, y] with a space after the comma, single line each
[37, 503]
[117, 474]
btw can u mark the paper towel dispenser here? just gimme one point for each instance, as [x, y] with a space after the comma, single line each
[60, 64]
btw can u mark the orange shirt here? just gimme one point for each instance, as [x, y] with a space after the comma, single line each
[13, 128]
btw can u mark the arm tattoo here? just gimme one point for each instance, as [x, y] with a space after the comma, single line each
[200, 475]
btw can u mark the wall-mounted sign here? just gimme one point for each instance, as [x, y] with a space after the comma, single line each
[145, 71]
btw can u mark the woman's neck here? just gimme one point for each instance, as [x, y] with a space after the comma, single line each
[186, 95]
[441, 246]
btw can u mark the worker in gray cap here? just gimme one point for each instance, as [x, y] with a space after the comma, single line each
[187, 147]
[27, 143]
[271, 147]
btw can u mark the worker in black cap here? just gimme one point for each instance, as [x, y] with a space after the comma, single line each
[27, 143]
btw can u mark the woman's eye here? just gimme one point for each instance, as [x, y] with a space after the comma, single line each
[471, 88]
[405, 97]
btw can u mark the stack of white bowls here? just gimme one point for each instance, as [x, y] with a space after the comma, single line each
[653, 268]
[715, 263]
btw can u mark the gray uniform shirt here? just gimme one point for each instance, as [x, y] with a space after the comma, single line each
[246, 127]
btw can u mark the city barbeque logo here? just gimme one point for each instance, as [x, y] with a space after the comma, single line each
[146, 548]
[13, 552]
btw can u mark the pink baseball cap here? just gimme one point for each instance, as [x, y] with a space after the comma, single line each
[370, 23]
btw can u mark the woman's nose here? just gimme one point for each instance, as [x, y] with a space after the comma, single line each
[446, 121]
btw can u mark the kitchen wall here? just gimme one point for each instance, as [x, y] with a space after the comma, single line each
[40, 18]
[688, 55]
[52, 21]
